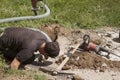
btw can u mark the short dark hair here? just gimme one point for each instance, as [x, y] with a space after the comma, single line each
[52, 48]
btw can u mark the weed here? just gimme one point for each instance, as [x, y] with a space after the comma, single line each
[39, 77]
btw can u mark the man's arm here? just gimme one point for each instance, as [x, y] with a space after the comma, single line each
[20, 58]
[15, 64]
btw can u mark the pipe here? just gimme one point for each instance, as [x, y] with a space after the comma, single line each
[48, 38]
[27, 17]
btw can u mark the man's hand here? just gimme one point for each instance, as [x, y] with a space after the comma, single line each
[46, 57]
[15, 64]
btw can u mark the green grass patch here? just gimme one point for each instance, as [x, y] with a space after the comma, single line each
[72, 13]
[5, 73]
[2, 61]
[39, 77]
[21, 74]
[13, 71]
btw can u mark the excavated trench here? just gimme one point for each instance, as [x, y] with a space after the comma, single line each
[108, 38]
[84, 63]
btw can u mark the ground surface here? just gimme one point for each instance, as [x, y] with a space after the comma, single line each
[87, 65]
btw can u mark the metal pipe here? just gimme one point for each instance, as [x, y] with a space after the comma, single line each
[27, 17]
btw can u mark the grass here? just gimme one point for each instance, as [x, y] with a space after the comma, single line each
[2, 62]
[72, 13]
[30, 75]
[38, 77]
[69, 13]
[9, 74]
[21, 75]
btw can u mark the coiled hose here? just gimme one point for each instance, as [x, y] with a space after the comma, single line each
[47, 13]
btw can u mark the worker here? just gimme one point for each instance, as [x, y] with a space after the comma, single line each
[34, 5]
[18, 45]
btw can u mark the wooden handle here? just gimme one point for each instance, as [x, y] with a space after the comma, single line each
[67, 58]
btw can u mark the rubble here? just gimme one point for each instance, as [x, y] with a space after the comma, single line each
[76, 77]
[85, 62]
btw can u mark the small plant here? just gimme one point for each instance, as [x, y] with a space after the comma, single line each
[13, 71]
[39, 77]
[2, 61]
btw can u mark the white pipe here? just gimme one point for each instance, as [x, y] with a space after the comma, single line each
[27, 17]
[48, 38]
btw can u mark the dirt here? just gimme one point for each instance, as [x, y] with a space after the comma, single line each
[89, 60]
[84, 60]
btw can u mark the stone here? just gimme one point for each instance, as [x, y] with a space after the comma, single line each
[76, 77]
[104, 65]
[66, 67]
[108, 35]
[102, 70]
[55, 73]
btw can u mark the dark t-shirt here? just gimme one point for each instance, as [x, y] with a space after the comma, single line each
[21, 42]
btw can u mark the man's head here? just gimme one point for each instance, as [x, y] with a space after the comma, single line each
[52, 49]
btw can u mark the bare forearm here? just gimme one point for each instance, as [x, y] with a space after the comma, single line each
[15, 64]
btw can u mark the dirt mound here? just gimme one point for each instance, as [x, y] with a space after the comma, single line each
[92, 61]
[86, 60]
